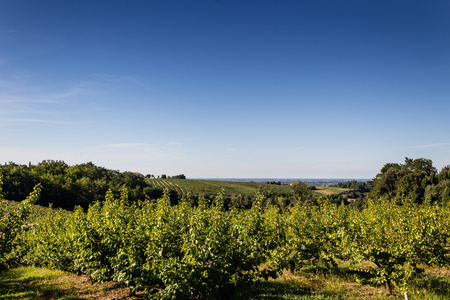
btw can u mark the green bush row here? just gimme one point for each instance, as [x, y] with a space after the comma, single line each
[204, 251]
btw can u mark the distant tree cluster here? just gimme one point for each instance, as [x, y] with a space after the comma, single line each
[360, 186]
[274, 182]
[66, 186]
[355, 196]
[304, 192]
[416, 180]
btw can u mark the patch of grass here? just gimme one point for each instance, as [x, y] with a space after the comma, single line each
[40, 283]
[433, 284]
[336, 285]
[279, 290]
[30, 283]
[329, 190]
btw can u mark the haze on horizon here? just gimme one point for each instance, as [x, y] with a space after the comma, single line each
[242, 89]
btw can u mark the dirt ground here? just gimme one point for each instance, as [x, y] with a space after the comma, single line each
[85, 289]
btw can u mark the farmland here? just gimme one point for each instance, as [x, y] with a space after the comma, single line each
[328, 190]
[264, 236]
[212, 187]
[317, 251]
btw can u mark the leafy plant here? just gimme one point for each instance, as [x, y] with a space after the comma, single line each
[11, 224]
[398, 240]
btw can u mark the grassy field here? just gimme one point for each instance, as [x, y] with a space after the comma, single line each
[328, 190]
[40, 283]
[212, 187]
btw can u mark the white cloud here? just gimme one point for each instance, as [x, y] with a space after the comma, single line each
[72, 92]
[430, 145]
[121, 146]
[43, 121]
[22, 104]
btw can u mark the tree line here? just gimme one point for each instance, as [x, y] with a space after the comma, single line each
[415, 180]
[69, 186]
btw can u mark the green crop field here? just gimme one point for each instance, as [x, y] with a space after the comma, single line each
[212, 187]
[328, 190]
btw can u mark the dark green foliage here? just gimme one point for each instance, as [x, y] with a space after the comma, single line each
[303, 192]
[420, 165]
[358, 186]
[68, 186]
[414, 181]
[356, 196]
[18, 181]
[273, 182]
[338, 199]
[181, 176]
[11, 224]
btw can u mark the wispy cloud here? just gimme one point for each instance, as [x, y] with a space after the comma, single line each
[6, 99]
[123, 145]
[67, 103]
[429, 145]
[43, 121]
[73, 92]
[21, 103]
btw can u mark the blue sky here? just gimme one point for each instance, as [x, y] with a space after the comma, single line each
[303, 89]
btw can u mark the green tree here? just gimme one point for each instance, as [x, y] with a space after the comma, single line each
[385, 183]
[181, 176]
[400, 181]
[445, 196]
[421, 165]
[398, 239]
[303, 192]
[410, 186]
[18, 181]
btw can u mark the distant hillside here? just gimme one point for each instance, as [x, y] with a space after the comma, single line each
[212, 187]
